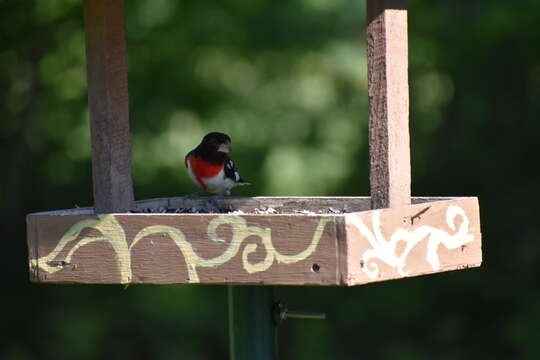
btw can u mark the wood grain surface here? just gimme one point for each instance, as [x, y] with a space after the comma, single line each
[412, 240]
[108, 104]
[183, 248]
[79, 246]
[388, 91]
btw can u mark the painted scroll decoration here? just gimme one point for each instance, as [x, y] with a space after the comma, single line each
[112, 232]
[387, 251]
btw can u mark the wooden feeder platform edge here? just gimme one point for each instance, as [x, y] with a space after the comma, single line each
[261, 240]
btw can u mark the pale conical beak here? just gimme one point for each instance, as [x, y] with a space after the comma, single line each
[225, 148]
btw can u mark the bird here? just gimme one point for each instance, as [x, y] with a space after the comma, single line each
[210, 168]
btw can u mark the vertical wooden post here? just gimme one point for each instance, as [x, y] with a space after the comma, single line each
[388, 90]
[252, 334]
[108, 103]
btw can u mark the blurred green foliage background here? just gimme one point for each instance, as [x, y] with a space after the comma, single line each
[287, 81]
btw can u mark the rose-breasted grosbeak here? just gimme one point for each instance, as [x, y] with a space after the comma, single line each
[210, 168]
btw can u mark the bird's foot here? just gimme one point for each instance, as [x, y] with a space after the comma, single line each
[219, 195]
[213, 200]
[194, 196]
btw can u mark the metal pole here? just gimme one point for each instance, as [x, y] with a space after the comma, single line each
[252, 334]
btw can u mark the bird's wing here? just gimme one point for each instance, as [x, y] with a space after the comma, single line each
[232, 173]
[230, 170]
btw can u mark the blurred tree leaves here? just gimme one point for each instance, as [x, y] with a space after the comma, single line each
[287, 80]
[253, 74]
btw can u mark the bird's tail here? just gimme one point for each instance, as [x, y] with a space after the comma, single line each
[242, 182]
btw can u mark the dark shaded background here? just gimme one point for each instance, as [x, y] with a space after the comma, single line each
[287, 80]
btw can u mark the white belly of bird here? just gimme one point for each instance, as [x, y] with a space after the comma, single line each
[217, 183]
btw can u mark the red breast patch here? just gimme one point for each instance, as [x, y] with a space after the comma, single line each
[203, 169]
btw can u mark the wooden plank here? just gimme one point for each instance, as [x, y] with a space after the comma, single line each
[32, 230]
[412, 240]
[282, 205]
[108, 104]
[388, 90]
[287, 205]
[272, 249]
[184, 248]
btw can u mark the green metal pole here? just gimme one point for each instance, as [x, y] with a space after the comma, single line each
[252, 334]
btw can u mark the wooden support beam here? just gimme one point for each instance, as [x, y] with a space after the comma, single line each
[108, 104]
[388, 90]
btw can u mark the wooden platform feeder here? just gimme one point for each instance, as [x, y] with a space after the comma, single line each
[261, 240]
[317, 241]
